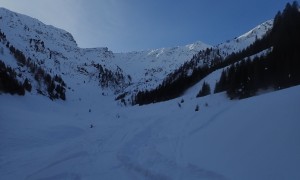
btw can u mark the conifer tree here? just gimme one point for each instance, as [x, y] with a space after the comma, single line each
[205, 90]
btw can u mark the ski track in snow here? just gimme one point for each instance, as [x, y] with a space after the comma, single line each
[211, 120]
[144, 144]
[63, 175]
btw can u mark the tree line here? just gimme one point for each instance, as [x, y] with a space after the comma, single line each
[278, 69]
[55, 86]
[9, 82]
[281, 63]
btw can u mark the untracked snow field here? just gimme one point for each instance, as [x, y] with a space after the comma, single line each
[255, 138]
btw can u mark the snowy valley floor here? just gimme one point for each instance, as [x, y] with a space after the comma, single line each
[255, 138]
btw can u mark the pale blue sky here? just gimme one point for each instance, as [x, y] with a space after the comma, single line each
[127, 25]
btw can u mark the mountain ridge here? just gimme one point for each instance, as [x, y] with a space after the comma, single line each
[58, 53]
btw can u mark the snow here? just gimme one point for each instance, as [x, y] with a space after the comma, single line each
[243, 41]
[255, 138]
[154, 65]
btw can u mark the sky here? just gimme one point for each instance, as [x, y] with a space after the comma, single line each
[134, 25]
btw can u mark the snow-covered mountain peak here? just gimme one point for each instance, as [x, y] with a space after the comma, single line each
[258, 32]
[197, 45]
[243, 41]
[171, 51]
[19, 28]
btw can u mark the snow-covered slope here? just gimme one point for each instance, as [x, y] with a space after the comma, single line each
[239, 43]
[255, 138]
[154, 65]
[52, 49]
